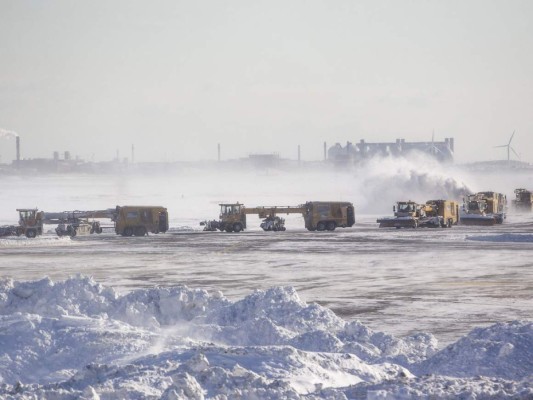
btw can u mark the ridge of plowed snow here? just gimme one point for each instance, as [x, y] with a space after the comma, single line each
[76, 338]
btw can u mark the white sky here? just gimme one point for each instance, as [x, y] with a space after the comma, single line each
[177, 77]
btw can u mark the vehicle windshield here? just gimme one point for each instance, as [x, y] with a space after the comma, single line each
[405, 207]
[226, 209]
[27, 214]
[476, 205]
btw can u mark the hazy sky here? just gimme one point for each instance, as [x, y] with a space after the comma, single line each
[177, 77]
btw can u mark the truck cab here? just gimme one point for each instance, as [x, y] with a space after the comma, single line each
[408, 209]
[30, 222]
[475, 205]
[232, 217]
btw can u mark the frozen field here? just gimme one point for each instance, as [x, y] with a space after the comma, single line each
[441, 282]
[400, 281]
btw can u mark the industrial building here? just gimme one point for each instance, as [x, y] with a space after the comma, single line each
[353, 153]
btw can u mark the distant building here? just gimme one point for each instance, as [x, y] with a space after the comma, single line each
[353, 153]
[264, 160]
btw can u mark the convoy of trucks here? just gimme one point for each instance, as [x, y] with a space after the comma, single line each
[482, 208]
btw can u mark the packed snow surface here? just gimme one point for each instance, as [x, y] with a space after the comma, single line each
[78, 339]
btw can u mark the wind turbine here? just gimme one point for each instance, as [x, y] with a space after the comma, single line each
[509, 148]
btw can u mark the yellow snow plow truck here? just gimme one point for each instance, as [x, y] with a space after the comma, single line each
[128, 221]
[523, 200]
[140, 220]
[484, 208]
[433, 214]
[318, 216]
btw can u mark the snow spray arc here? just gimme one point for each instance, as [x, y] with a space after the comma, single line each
[384, 180]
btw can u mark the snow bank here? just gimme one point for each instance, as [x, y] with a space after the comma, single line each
[78, 339]
[506, 237]
[23, 241]
[504, 350]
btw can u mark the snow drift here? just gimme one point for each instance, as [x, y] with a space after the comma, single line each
[76, 338]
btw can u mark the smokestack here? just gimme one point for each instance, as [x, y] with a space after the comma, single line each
[299, 158]
[132, 153]
[219, 152]
[17, 139]
[325, 152]
[452, 144]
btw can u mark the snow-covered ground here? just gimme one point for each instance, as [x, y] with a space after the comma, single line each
[78, 339]
[362, 313]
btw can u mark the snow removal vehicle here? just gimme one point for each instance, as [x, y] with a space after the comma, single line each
[523, 200]
[140, 220]
[69, 223]
[128, 221]
[318, 216]
[433, 214]
[484, 208]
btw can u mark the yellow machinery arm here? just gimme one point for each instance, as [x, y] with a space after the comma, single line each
[264, 212]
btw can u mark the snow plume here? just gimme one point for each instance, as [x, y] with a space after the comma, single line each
[6, 133]
[418, 178]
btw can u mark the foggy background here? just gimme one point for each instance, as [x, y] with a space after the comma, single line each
[175, 78]
[193, 195]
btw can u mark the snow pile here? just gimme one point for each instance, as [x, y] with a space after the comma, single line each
[23, 241]
[506, 237]
[78, 339]
[503, 350]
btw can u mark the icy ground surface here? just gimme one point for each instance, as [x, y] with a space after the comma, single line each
[78, 339]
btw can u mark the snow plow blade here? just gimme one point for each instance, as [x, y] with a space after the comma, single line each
[397, 223]
[478, 220]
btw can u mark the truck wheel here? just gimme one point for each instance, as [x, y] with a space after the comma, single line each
[72, 232]
[237, 227]
[331, 226]
[31, 233]
[127, 231]
[140, 231]
[321, 226]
